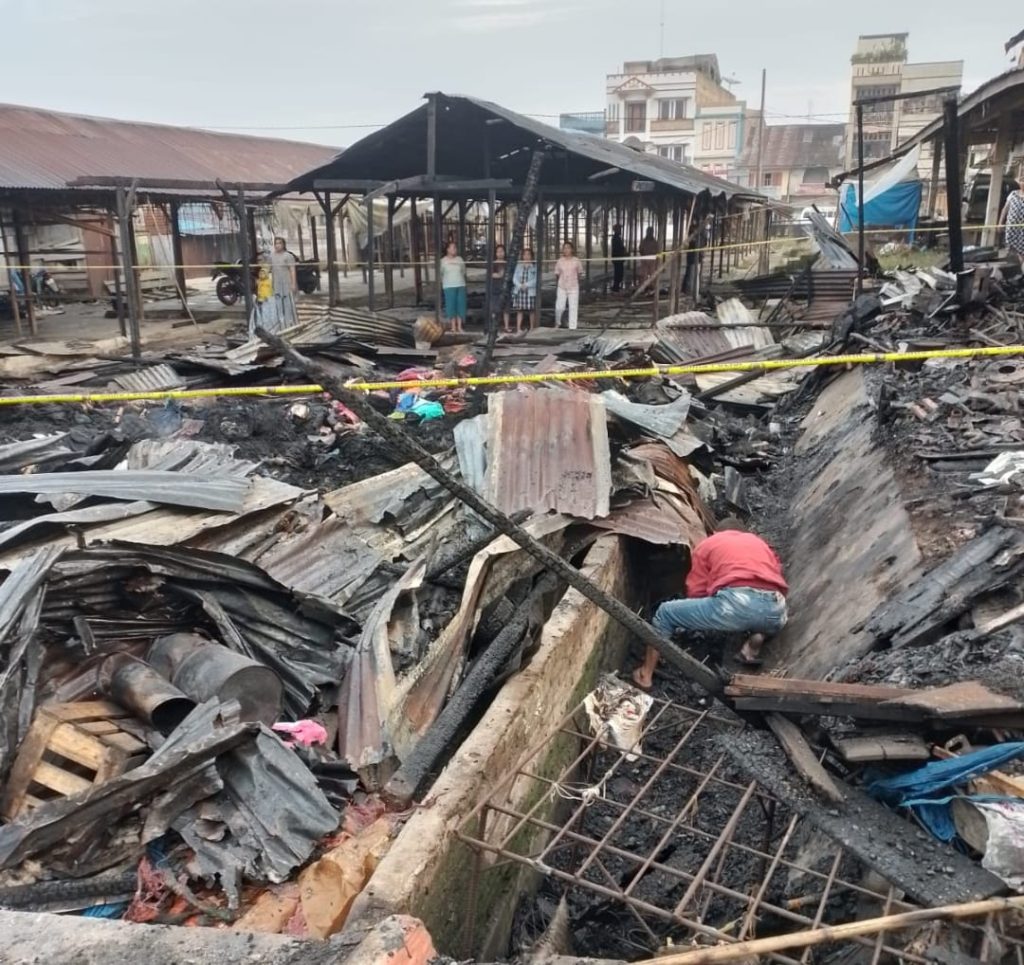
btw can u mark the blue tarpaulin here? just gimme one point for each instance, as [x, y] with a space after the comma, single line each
[896, 207]
[926, 790]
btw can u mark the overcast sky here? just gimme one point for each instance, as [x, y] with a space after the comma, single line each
[326, 70]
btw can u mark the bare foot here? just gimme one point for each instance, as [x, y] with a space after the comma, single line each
[643, 678]
[750, 652]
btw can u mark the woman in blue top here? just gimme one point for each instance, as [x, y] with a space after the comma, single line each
[453, 281]
[524, 290]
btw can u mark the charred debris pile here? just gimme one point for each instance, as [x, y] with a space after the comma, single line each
[225, 624]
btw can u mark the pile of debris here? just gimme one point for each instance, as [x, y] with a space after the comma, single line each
[209, 673]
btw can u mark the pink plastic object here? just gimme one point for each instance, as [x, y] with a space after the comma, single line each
[306, 732]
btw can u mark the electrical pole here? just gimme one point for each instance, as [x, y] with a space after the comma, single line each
[760, 131]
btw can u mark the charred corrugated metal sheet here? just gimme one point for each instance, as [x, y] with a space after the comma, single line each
[49, 149]
[152, 378]
[659, 420]
[662, 519]
[548, 451]
[33, 452]
[225, 494]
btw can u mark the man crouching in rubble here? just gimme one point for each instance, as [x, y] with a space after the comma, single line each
[735, 585]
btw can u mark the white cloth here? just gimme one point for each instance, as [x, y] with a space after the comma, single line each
[570, 299]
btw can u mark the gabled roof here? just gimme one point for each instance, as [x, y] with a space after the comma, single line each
[795, 146]
[465, 124]
[51, 150]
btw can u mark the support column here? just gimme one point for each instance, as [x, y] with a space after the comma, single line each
[177, 253]
[314, 241]
[15, 307]
[953, 193]
[331, 238]
[542, 230]
[370, 266]
[588, 242]
[415, 238]
[490, 309]
[246, 237]
[119, 295]
[389, 254]
[659, 264]
[128, 267]
[933, 187]
[1000, 153]
[438, 242]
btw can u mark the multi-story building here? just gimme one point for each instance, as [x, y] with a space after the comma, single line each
[676, 107]
[880, 68]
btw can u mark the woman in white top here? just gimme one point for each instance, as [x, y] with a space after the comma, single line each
[453, 281]
[569, 271]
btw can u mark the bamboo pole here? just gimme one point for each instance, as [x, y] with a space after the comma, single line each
[836, 933]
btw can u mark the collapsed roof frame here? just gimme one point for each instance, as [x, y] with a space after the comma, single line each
[457, 150]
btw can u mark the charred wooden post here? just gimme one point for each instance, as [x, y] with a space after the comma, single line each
[178, 252]
[512, 250]
[370, 253]
[125, 203]
[389, 254]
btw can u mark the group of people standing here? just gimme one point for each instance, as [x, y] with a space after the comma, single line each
[568, 274]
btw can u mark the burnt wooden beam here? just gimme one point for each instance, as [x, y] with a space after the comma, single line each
[929, 872]
[802, 756]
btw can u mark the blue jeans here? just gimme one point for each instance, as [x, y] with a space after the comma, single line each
[734, 610]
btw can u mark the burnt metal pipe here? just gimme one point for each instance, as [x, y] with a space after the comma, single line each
[204, 669]
[137, 687]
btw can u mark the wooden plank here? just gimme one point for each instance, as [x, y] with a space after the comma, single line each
[29, 755]
[84, 710]
[98, 726]
[71, 743]
[744, 685]
[833, 707]
[969, 698]
[894, 747]
[126, 742]
[802, 757]
[63, 782]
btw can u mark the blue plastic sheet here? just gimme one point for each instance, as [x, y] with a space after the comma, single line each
[113, 911]
[926, 790]
[897, 207]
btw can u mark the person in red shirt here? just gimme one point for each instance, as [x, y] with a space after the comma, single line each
[735, 585]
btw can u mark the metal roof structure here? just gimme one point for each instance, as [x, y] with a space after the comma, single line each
[796, 146]
[466, 124]
[50, 150]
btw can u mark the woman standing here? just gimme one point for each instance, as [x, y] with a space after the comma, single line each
[453, 281]
[497, 280]
[1013, 218]
[524, 287]
[568, 270]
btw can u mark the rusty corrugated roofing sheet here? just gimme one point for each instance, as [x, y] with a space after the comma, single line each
[548, 450]
[48, 149]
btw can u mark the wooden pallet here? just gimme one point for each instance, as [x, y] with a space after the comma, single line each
[69, 749]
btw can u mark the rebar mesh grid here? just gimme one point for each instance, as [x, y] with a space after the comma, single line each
[692, 850]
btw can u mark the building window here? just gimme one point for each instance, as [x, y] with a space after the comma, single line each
[673, 109]
[771, 179]
[705, 137]
[675, 152]
[613, 112]
[719, 136]
[636, 117]
[732, 135]
[815, 175]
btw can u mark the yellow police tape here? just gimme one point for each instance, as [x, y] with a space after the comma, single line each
[767, 365]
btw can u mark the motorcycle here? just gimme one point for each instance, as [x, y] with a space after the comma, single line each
[47, 291]
[229, 279]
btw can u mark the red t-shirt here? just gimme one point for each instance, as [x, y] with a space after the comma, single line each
[733, 559]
